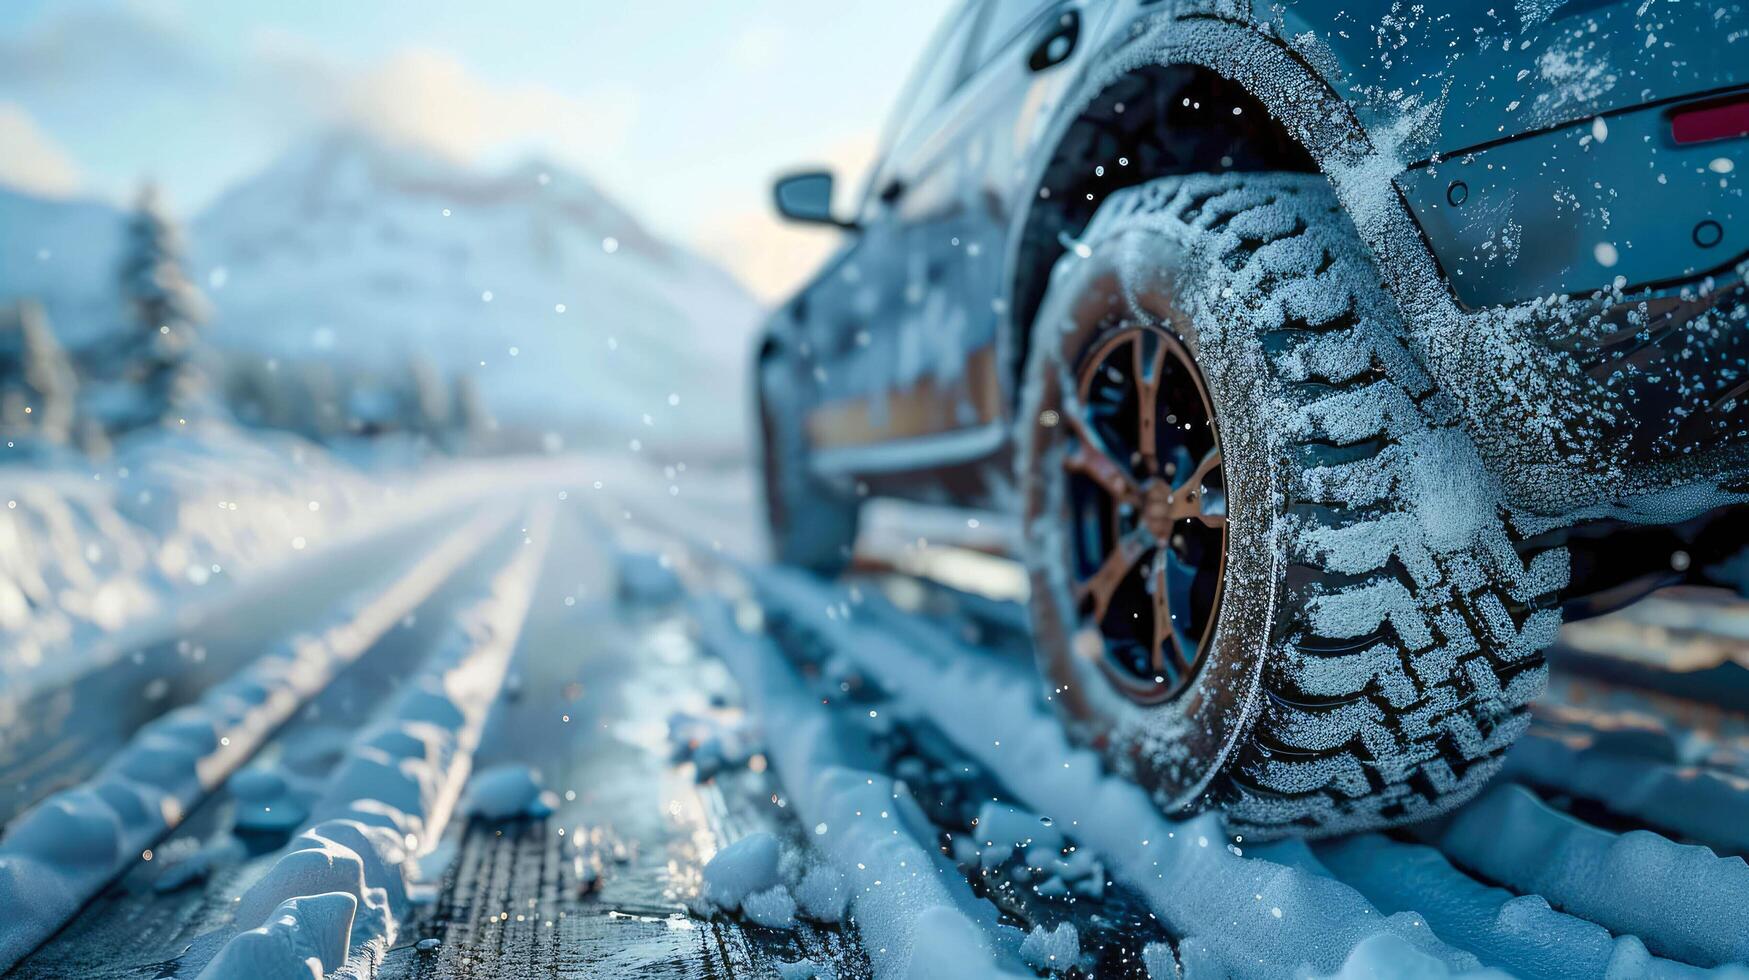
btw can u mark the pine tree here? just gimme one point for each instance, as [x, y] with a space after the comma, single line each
[159, 352]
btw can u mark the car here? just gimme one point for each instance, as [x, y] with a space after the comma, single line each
[1327, 356]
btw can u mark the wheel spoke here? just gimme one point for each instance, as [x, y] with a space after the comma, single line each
[1093, 460]
[1102, 585]
[1192, 501]
[1146, 374]
[1163, 632]
[1177, 579]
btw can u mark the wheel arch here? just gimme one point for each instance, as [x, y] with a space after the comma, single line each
[1497, 373]
[1151, 69]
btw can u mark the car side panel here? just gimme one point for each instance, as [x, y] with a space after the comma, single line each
[929, 388]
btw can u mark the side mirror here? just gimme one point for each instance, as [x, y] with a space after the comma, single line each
[807, 198]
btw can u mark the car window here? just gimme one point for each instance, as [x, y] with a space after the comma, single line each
[936, 75]
[1003, 21]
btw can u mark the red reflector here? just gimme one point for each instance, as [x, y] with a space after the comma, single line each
[1715, 122]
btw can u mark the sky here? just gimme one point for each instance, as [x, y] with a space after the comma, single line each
[682, 110]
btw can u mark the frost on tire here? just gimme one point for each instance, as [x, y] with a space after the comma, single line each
[1381, 626]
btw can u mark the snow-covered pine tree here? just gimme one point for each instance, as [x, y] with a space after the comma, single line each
[159, 351]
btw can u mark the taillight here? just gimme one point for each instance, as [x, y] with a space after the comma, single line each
[1711, 121]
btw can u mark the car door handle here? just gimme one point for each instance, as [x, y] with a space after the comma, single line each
[1056, 41]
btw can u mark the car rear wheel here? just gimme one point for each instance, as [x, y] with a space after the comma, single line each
[1269, 570]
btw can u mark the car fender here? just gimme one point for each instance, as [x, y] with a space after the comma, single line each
[1544, 427]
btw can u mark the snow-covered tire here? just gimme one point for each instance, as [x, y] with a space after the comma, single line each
[812, 525]
[1379, 633]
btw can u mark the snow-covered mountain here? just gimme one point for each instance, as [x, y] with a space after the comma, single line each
[573, 316]
[571, 313]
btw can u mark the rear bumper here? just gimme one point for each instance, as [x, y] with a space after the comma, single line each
[1622, 199]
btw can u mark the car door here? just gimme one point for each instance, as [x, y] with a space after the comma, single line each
[921, 385]
[894, 282]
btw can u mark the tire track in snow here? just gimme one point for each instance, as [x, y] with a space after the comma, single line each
[1692, 802]
[338, 894]
[916, 914]
[1681, 900]
[1247, 917]
[1518, 933]
[59, 853]
[599, 680]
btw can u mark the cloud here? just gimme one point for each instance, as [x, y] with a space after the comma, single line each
[428, 97]
[33, 161]
[269, 92]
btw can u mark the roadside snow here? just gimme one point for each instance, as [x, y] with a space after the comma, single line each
[86, 549]
[712, 744]
[1698, 803]
[1052, 951]
[1518, 933]
[59, 853]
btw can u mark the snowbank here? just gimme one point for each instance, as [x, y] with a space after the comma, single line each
[59, 853]
[1698, 803]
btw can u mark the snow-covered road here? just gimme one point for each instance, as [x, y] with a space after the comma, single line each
[894, 795]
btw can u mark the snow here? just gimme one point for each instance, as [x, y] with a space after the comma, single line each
[915, 916]
[712, 743]
[271, 799]
[773, 908]
[805, 970]
[1385, 955]
[1052, 950]
[1517, 933]
[1002, 830]
[509, 792]
[395, 247]
[647, 579]
[822, 894]
[90, 549]
[389, 798]
[303, 939]
[748, 865]
[1685, 901]
[1697, 802]
[1159, 962]
[994, 716]
[57, 854]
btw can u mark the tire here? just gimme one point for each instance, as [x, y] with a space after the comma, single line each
[812, 526]
[1377, 635]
